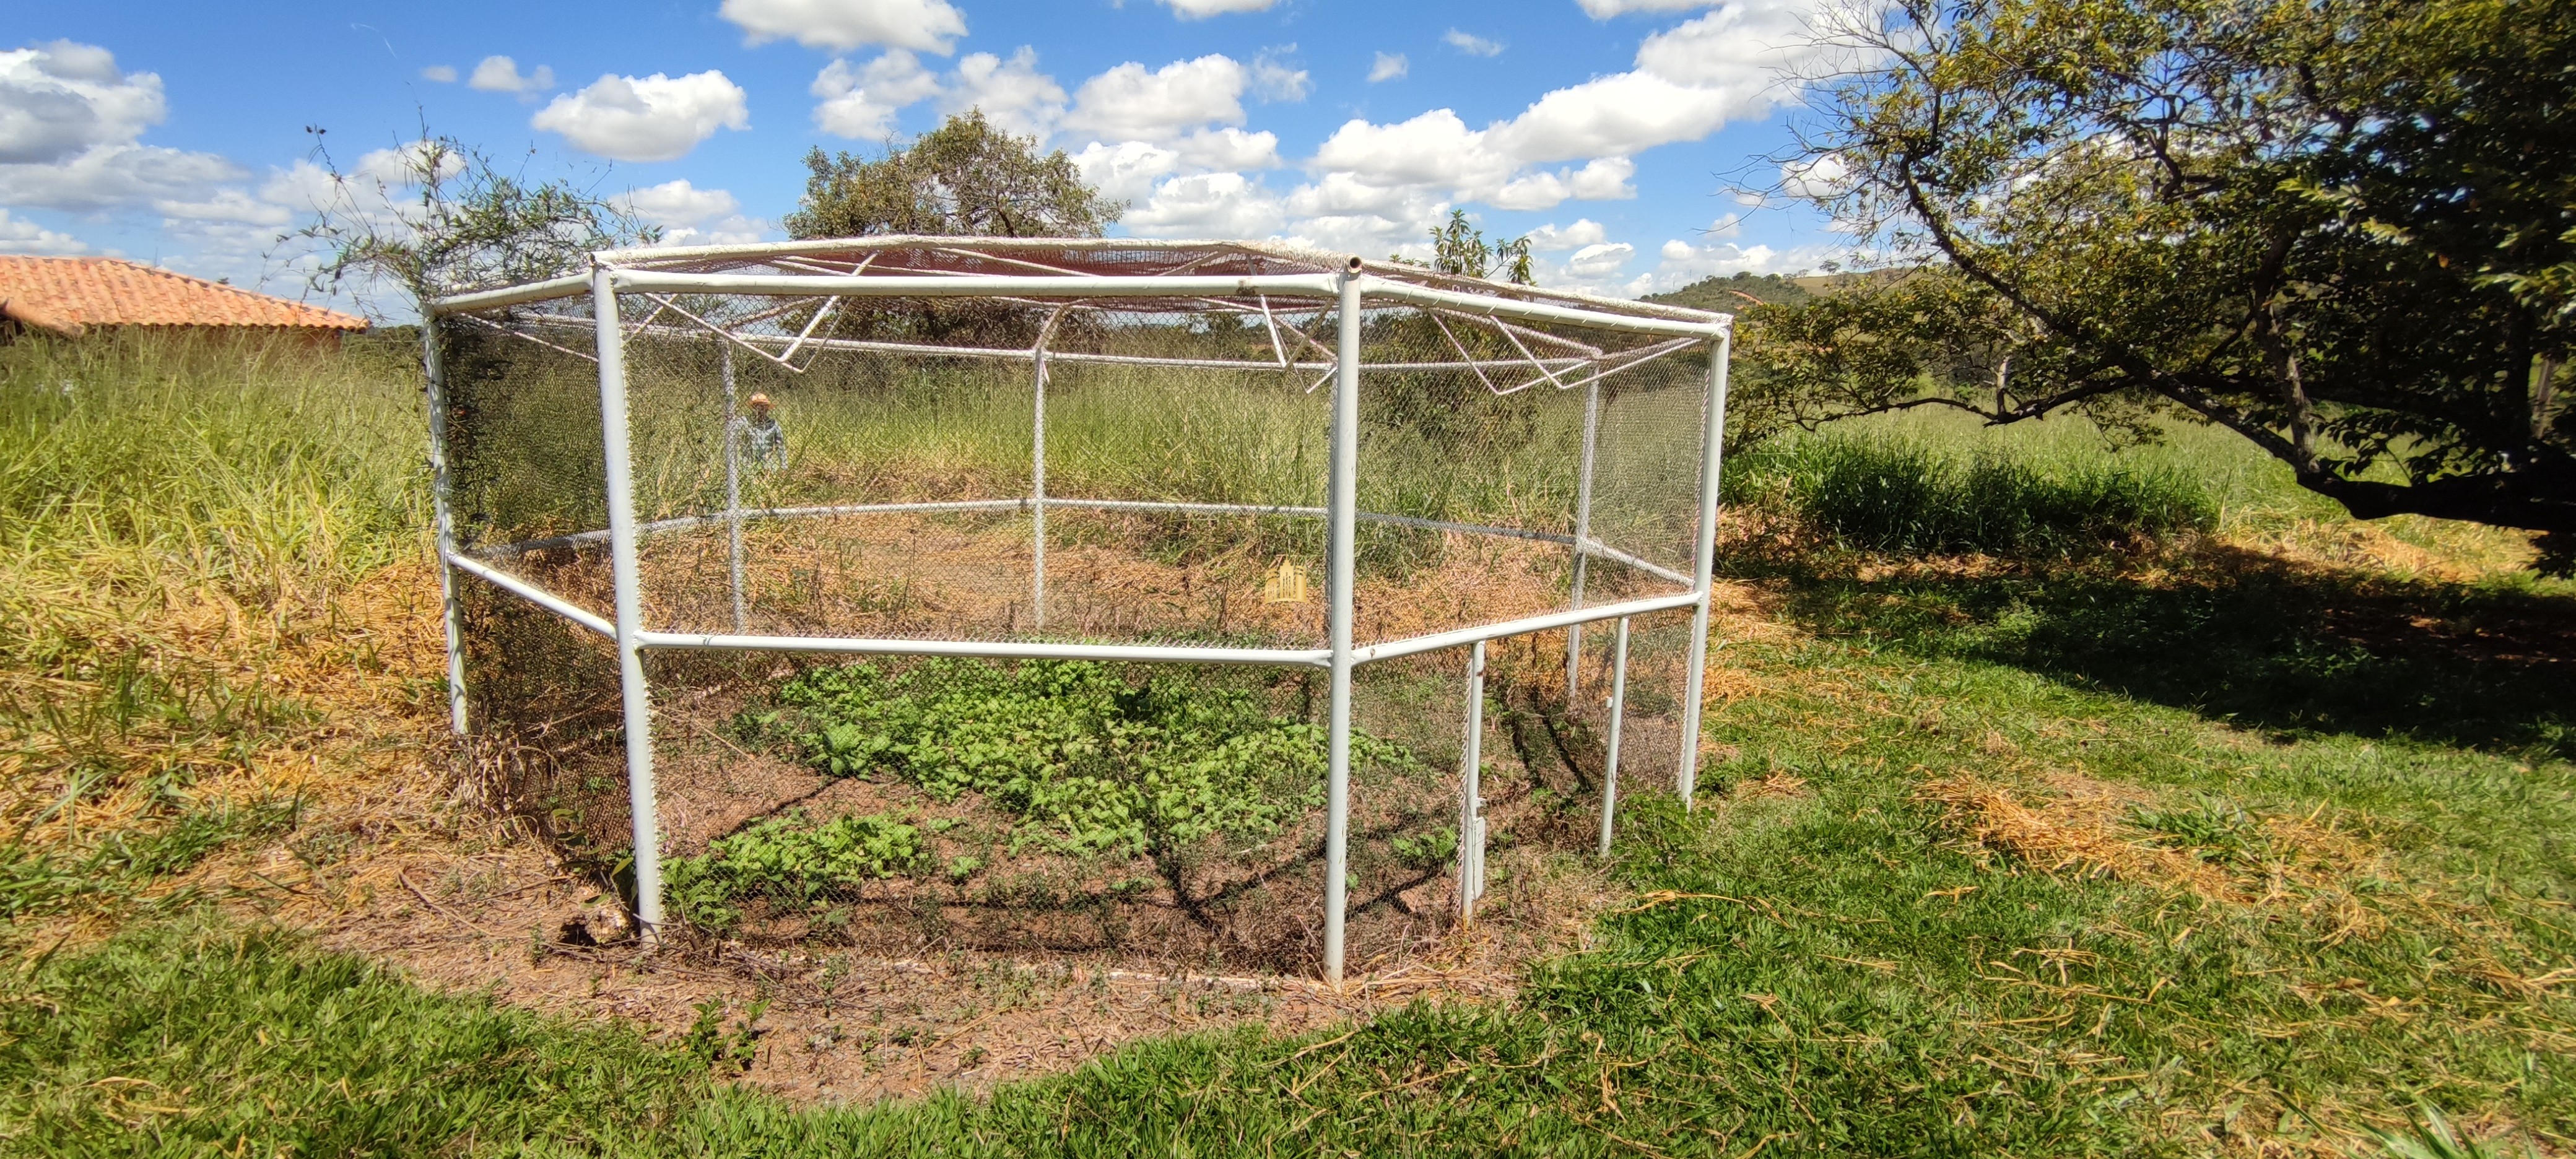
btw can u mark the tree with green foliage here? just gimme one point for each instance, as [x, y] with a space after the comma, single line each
[436, 217]
[1459, 248]
[964, 178]
[2344, 229]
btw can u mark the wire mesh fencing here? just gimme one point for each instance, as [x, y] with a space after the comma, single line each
[1007, 622]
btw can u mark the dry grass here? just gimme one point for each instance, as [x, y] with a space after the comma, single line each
[2070, 823]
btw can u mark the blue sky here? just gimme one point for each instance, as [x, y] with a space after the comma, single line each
[1606, 129]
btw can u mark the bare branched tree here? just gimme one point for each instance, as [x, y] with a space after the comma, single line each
[436, 217]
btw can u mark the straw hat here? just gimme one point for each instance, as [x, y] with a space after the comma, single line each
[758, 400]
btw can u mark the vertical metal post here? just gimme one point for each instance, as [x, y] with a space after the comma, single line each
[442, 507]
[1342, 502]
[1037, 486]
[635, 696]
[1618, 721]
[1582, 536]
[1712, 457]
[1471, 792]
[733, 493]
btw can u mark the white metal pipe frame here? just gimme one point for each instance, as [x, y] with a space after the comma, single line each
[1347, 289]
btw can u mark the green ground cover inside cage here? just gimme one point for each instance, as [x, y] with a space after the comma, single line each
[1045, 777]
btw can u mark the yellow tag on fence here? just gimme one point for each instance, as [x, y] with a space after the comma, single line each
[1286, 585]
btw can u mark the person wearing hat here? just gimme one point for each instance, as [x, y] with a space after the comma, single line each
[762, 440]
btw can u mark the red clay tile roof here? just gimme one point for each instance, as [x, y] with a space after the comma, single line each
[113, 292]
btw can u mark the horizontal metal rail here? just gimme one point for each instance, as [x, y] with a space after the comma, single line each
[1462, 637]
[1590, 547]
[991, 649]
[564, 287]
[1078, 286]
[1595, 547]
[533, 594]
[719, 519]
[981, 286]
[1376, 287]
[1029, 650]
[986, 246]
[1027, 354]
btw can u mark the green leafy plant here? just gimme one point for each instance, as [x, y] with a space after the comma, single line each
[789, 860]
[1428, 850]
[1099, 765]
[715, 1044]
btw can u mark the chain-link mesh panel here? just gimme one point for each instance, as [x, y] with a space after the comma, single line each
[1487, 448]
[1650, 733]
[1170, 813]
[1147, 470]
[549, 743]
[862, 490]
[528, 494]
[528, 474]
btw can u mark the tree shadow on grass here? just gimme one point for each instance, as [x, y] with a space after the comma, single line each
[2286, 647]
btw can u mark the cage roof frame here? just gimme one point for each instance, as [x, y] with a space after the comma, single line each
[917, 265]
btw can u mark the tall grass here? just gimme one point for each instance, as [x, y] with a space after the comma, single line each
[1902, 495]
[2250, 495]
[173, 514]
[262, 466]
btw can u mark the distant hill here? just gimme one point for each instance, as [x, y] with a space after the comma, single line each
[1727, 294]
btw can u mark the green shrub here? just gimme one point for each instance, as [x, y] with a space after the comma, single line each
[1896, 496]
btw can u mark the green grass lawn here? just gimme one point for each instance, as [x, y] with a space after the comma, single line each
[2320, 818]
[1842, 968]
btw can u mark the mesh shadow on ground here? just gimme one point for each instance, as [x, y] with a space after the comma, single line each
[2276, 645]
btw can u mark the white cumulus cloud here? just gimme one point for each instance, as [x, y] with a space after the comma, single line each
[1599, 260]
[1471, 44]
[689, 215]
[1600, 179]
[1389, 66]
[1605, 9]
[1550, 239]
[70, 129]
[1202, 9]
[842, 25]
[61, 99]
[1276, 80]
[1129, 103]
[1207, 205]
[653, 118]
[1574, 143]
[1822, 177]
[1168, 142]
[442, 73]
[1433, 148]
[1683, 263]
[225, 205]
[1012, 93]
[1620, 114]
[1128, 170]
[20, 236]
[500, 74]
[860, 103]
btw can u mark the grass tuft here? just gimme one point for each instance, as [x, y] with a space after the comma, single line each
[1898, 495]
